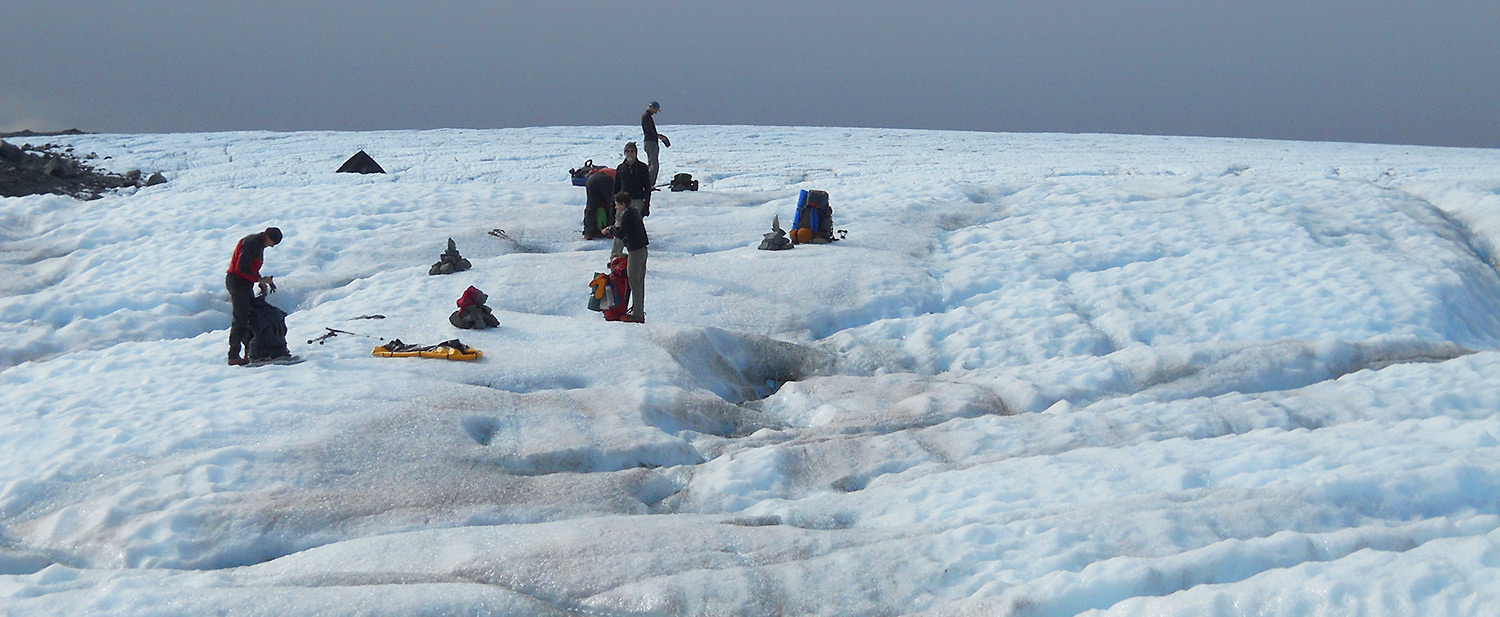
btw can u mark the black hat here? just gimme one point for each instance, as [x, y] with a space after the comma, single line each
[273, 234]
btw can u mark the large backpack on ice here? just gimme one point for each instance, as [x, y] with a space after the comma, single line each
[581, 174]
[813, 221]
[267, 331]
[610, 292]
[683, 182]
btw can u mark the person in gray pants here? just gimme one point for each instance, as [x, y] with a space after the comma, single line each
[652, 139]
[630, 227]
[632, 179]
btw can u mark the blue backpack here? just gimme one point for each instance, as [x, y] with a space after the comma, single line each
[813, 214]
[580, 175]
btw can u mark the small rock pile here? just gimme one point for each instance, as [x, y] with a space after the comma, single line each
[472, 313]
[450, 261]
[776, 240]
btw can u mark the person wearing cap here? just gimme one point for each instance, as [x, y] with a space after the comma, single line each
[633, 177]
[244, 273]
[652, 139]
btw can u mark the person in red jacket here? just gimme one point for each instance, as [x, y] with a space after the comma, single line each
[244, 273]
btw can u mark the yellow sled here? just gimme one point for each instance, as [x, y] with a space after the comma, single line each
[441, 352]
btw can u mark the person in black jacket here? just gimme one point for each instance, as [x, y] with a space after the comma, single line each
[653, 150]
[244, 272]
[630, 229]
[634, 178]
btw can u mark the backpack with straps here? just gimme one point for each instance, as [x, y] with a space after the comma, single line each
[616, 290]
[813, 221]
[684, 182]
[267, 331]
[580, 175]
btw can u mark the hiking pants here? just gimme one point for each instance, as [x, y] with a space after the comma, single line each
[653, 149]
[635, 270]
[240, 293]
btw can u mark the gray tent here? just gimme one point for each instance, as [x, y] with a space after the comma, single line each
[361, 163]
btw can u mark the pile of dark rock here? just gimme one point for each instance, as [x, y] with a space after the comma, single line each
[472, 314]
[450, 261]
[56, 170]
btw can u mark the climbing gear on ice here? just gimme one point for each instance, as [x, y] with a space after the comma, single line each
[447, 350]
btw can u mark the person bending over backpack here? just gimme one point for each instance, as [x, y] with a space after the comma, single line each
[598, 209]
[244, 272]
[630, 229]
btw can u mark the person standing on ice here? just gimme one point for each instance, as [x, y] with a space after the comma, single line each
[630, 229]
[648, 127]
[634, 178]
[244, 273]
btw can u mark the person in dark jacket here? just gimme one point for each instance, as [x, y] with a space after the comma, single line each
[599, 194]
[630, 229]
[652, 138]
[243, 274]
[634, 178]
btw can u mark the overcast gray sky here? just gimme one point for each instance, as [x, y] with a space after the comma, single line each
[1382, 71]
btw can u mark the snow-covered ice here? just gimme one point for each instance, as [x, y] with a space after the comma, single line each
[1044, 375]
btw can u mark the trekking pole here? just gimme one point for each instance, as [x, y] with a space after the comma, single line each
[332, 332]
